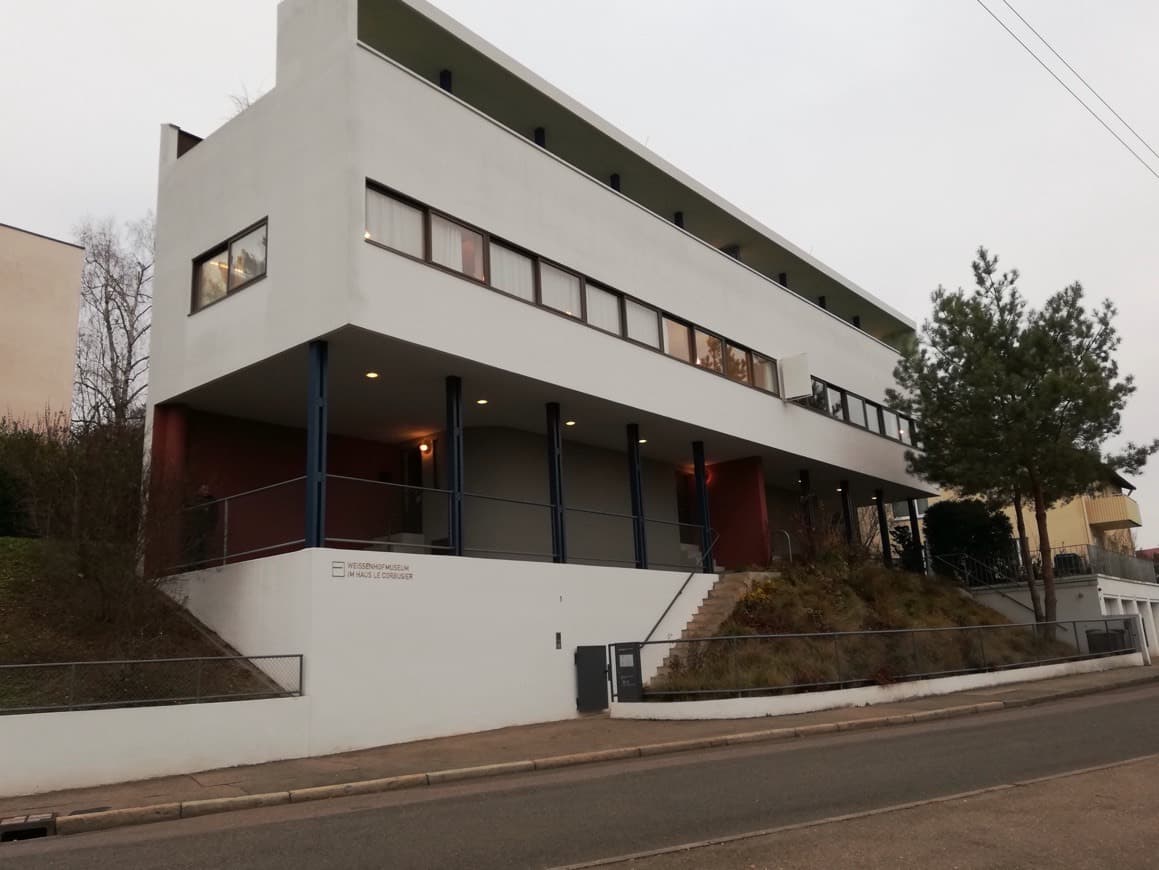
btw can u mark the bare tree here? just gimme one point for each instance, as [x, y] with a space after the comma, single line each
[112, 356]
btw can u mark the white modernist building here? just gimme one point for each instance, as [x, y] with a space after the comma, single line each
[457, 377]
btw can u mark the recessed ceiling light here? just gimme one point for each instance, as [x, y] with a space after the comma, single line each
[372, 375]
[569, 423]
[480, 401]
[425, 447]
[643, 441]
[839, 489]
[366, 235]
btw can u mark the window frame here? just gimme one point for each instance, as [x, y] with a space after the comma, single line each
[425, 212]
[219, 248]
[503, 243]
[582, 314]
[689, 349]
[428, 245]
[659, 346]
[726, 355]
[619, 297]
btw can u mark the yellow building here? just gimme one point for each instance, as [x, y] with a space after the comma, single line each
[1106, 518]
[40, 298]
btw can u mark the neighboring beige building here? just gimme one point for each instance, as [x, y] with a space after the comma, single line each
[1106, 519]
[40, 298]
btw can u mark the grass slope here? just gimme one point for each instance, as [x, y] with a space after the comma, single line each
[838, 596]
[40, 623]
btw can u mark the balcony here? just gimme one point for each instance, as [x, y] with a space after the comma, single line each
[1113, 512]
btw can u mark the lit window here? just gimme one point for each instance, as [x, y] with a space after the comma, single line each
[232, 266]
[737, 364]
[643, 323]
[677, 340]
[764, 373]
[512, 272]
[603, 309]
[709, 351]
[903, 426]
[856, 407]
[560, 290]
[456, 247]
[394, 223]
[247, 257]
[211, 281]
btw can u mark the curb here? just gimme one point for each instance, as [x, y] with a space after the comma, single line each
[99, 821]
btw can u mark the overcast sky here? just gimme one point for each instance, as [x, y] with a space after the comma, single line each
[889, 138]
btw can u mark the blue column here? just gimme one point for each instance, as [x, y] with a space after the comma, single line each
[555, 483]
[316, 411]
[454, 449]
[636, 488]
[701, 477]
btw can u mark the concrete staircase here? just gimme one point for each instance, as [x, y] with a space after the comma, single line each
[713, 612]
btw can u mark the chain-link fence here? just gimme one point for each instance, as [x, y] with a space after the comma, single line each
[34, 688]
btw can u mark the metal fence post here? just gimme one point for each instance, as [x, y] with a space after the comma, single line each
[1075, 626]
[913, 635]
[72, 685]
[735, 674]
[837, 658]
[982, 646]
[197, 682]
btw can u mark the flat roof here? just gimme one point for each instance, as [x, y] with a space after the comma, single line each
[426, 40]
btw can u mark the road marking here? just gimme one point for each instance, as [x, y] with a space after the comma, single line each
[848, 817]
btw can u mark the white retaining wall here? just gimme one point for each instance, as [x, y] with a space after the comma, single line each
[808, 702]
[47, 751]
[397, 647]
[436, 646]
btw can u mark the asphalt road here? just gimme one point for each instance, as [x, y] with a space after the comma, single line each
[556, 818]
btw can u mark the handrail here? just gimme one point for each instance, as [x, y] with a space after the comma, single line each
[684, 585]
[1101, 620]
[204, 504]
[945, 560]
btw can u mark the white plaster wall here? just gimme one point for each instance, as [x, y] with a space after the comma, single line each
[463, 645]
[340, 114]
[805, 702]
[46, 751]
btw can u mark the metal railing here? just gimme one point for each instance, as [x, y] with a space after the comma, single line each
[975, 574]
[367, 514]
[1082, 559]
[39, 688]
[774, 664]
[257, 522]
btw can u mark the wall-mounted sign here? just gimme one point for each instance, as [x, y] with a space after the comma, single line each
[371, 571]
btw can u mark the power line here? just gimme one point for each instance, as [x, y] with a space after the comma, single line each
[1082, 103]
[1078, 75]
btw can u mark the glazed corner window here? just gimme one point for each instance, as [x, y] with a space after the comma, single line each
[457, 247]
[677, 340]
[764, 374]
[512, 272]
[560, 290]
[737, 364]
[231, 267]
[394, 223]
[603, 309]
[709, 352]
[643, 323]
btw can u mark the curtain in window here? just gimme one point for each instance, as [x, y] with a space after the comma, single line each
[559, 290]
[603, 309]
[446, 243]
[512, 272]
[394, 223]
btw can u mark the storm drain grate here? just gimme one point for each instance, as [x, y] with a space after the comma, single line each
[27, 827]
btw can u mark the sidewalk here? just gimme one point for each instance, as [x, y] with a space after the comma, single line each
[522, 743]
